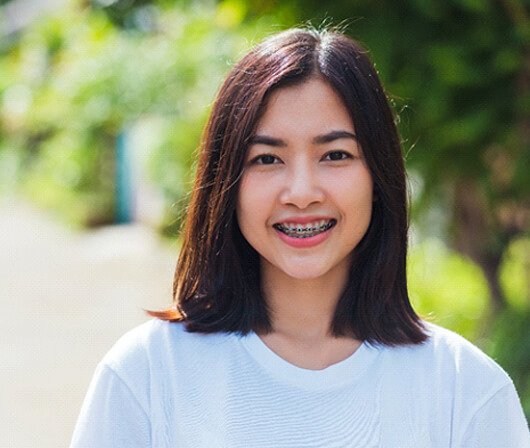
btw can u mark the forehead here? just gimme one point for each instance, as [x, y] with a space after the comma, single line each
[307, 108]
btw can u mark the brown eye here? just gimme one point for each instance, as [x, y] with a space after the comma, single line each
[337, 155]
[265, 159]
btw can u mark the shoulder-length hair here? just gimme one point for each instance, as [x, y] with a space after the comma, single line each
[217, 280]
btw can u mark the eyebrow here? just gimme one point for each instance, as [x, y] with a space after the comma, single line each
[266, 140]
[319, 139]
[334, 135]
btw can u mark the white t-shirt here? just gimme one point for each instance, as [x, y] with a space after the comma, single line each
[160, 386]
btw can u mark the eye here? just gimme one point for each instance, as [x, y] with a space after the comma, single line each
[337, 155]
[265, 159]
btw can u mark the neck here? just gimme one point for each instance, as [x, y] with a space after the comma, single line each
[302, 309]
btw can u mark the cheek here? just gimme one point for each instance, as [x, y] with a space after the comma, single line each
[255, 190]
[353, 190]
[250, 203]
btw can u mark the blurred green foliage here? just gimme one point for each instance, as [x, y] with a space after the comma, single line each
[452, 290]
[446, 286]
[73, 82]
[75, 79]
[508, 345]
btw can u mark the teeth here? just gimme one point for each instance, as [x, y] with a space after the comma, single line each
[305, 230]
[300, 227]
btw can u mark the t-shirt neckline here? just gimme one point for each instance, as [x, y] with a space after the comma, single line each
[339, 374]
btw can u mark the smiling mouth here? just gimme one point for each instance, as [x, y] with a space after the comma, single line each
[305, 230]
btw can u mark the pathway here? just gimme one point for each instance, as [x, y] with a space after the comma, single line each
[65, 298]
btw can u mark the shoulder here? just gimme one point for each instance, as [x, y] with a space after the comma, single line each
[449, 379]
[156, 343]
[486, 410]
[449, 361]
[157, 354]
[133, 347]
[461, 355]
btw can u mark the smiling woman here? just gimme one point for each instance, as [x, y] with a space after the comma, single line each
[305, 196]
[218, 283]
[291, 324]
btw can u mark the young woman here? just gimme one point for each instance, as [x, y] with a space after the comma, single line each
[291, 324]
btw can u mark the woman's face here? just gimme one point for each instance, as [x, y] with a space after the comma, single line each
[305, 197]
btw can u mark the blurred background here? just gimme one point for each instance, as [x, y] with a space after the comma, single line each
[102, 104]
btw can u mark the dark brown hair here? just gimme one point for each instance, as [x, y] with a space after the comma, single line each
[217, 280]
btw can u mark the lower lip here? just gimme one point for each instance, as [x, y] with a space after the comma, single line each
[304, 242]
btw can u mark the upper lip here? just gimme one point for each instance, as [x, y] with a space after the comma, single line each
[303, 219]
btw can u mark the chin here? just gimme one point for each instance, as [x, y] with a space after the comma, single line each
[305, 274]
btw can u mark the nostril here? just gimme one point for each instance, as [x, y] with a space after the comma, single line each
[302, 194]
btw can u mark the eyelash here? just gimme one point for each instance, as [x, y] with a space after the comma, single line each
[346, 155]
[259, 159]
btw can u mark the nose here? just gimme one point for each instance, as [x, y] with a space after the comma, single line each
[302, 186]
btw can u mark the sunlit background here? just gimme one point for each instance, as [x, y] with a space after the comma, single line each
[102, 104]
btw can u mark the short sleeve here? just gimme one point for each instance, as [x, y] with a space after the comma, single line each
[111, 416]
[499, 423]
